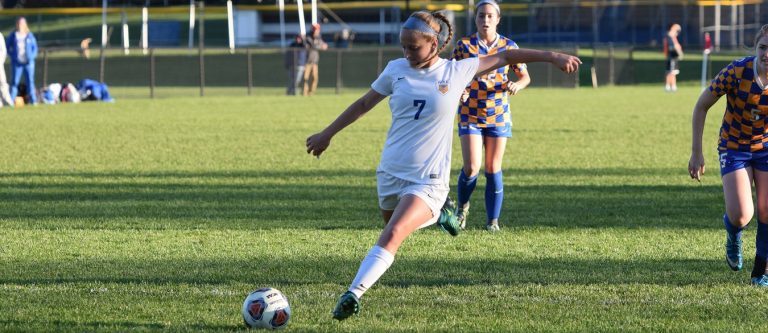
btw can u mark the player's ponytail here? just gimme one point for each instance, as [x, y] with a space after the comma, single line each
[446, 31]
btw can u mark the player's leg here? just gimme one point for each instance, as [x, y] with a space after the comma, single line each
[737, 190]
[494, 189]
[16, 72]
[298, 79]
[315, 78]
[471, 153]
[307, 73]
[411, 213]
[29, 73]
[759, 273]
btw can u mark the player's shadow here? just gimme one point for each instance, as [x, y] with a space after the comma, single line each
[334, 199]
[271, 269]
[86, 326]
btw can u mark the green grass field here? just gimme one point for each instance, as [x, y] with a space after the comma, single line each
[162, 215]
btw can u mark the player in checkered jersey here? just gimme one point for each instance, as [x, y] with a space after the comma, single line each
[484, 117]
[743, 150]
[413, 174]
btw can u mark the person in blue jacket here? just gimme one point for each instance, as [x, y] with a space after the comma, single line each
[22, 50]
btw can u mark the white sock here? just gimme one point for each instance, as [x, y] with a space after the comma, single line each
[371, 269]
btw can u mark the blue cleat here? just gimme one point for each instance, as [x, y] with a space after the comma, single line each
[733, 255]
[347, 306]
[760, 281]
[447, 219]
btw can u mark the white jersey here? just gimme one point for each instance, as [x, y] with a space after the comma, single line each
[423, 104]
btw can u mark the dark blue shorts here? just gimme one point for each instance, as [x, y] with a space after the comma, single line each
[732, 160]
[493, 132]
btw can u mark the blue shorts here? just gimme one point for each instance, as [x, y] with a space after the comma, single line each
[493, 132]
[732, 160]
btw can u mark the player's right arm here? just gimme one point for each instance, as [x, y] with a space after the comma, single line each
[696, 163]
[319, 142]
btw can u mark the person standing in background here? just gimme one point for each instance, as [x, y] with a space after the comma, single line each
[315, 44]
[674, 53]
[22, 49]
[295, 60]
[5, 96]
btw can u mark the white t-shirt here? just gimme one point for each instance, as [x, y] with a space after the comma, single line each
[21, 48]
[423, 104]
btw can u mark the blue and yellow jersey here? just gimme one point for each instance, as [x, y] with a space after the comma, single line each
[744, 125]
[487, 105]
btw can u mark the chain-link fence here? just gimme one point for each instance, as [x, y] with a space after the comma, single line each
[253, 71]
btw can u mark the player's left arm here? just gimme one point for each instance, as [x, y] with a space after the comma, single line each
[566, 63]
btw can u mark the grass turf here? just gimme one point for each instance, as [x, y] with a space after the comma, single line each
[162, 215]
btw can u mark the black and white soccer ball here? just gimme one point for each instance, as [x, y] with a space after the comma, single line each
[266, 308]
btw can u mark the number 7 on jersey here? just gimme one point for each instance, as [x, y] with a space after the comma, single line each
[420, 103]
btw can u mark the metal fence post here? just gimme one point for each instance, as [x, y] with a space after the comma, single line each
[152, 73]
[611, 65]
[45, 67]
[101, 64]
[576, 53]
[250, 70]
[201, 46]
[338, 72]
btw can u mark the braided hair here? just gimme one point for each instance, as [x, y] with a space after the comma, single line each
[439, 24]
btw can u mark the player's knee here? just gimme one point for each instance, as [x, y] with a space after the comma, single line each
[741, 219]
[491, 169]
[762, 215]
[471, 170]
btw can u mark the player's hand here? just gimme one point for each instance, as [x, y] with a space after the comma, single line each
[567, 63]
[317, 144]
[696, 166]
[513, 87]
[464, 96]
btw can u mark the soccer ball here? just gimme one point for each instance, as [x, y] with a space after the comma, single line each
[266, 308]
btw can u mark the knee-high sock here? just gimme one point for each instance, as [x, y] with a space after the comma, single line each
[761, 250]
[494, 195]
[465, 186]
[730, 228]
[371, 269]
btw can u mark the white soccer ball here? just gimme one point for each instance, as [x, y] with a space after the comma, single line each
[266, 308]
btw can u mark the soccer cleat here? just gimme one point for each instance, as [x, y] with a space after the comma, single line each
[447, 219]
[760, 281]
[461, 216]
[733, 255]
[492, 226]
[347, 306]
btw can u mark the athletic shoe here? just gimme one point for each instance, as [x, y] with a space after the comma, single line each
[492, 226]
[461, 216]
[760, 281]
[733, 255]
[447, 219]
[347, 306]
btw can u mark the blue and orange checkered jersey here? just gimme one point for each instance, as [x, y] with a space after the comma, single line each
[744, 125]
[487, 105]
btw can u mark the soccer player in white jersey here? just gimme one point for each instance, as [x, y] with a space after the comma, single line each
[413, 174]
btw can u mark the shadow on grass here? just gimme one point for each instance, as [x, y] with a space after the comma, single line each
[332, 199]
[84, 326]
[405, 272]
